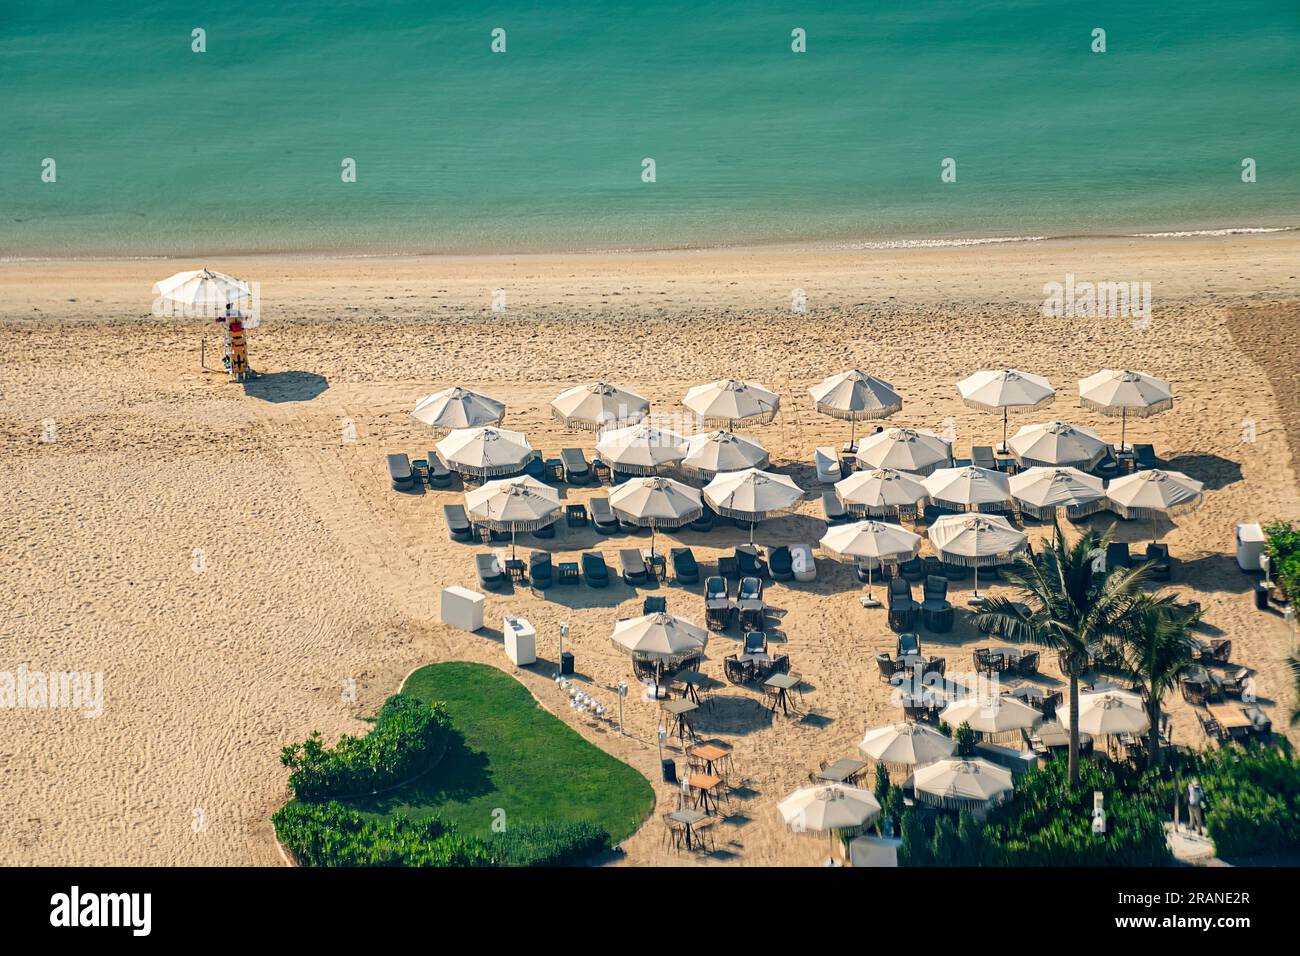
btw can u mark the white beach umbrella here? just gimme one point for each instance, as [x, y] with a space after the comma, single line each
[1122, 392]
[976, 540]
[881, 491]
[958, 782]
[855, 396]
[1107, 713]
[659, 636]
[1154, 492]
[1041, 491]
[711, 452]
[991, 715]
[730, 400]
[1002, 389]
[875, 541]
[597, 405]
[905, 449]
[752, 495]
[828, 808]
[656, 502]
[202, 289]
[1057, 443]
[458, 408]
[640, 449]
[969, 488]
[514, 504]
[906, 744]
[486, 451]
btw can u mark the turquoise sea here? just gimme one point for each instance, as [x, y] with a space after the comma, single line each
[163, 151]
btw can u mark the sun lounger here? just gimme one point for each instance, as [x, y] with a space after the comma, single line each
[685, 569]
[594, 569]
[539, 569]
[629, 527]
[750, 563]
[935, 608]
[400, 475]
[1161, 563]
[439, 475]
[491, 575]
[780, 564]
[1145, 456]
[802, 564]
[654, 604]
[902, 607]
[458, 526]
[545, 531]
[827, 462]
[717, 603]
[602, 515]
[576, 469]
[912, 569]
[1117, 555]
[834, 511]
[632, 567]
[705, 521]
[982, 456]
[1108, 466]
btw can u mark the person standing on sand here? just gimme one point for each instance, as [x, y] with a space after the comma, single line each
[1195, 806]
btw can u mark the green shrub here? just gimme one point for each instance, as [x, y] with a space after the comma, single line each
[1252, 800]
[965, 741]
[330, 834]
[1283, 547]
[406, 738]
[547, 844]
[882, 785]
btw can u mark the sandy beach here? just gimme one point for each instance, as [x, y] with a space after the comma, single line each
[230, 556]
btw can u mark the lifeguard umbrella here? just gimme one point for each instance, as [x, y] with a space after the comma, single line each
[1057, 443]
[855, 396]
[752, 495]
[881, 491]
[730, 400]
[513, 504]
[202, 289]
[458, 408]
[1122, 392]
[709, 453]
[1002, 389]
[598, 405]
[905, 449]
[656, 502]
[486, 451]
[640, 449]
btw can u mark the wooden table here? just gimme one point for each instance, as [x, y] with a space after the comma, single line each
[678, 711]
[783, 684]
[1231, 717]
[712, 755]
[687, 818]
[844, 770]
[704, 785]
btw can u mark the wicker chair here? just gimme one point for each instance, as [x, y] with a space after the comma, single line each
[1028, 663]
[886, 667]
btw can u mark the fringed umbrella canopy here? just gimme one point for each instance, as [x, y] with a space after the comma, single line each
[1108, 713]
[905, 449]
[514, 504]
[458, 408]
[955, 783]
[640, 449]
[752, 495]
[855, 396]
[872, 539]
[991, 715]
[905, 745]
[1000, 390]
[656, 502]
[709, 453]
[1120, 392]
[881, 492]
[486, 451]
[1041, 491]
[659, 637]
[598, 405]
[828, 807]
[1153, 493]
[969, 489]
[731, 400]
[976, 540]
[1057, 443]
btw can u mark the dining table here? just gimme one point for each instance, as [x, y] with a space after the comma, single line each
[844, 770]
[688, 817]
[705, 786]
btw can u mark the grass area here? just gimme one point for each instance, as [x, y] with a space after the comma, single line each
[507, 753]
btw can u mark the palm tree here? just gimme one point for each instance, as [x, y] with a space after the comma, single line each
[1070, 609]
[1159, 650]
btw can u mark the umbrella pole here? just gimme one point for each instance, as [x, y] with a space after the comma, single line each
[1004, 429]
[853, 434]
[512, 544]
[870, 597]
[975, 595]
[1123, 426]
[752, 522]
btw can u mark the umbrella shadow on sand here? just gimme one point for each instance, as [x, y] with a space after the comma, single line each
[281, 387]
[1216, 472]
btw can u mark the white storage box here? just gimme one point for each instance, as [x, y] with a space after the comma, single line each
[874, 851]
[1250, 546]
[521, 640]
[462, 608]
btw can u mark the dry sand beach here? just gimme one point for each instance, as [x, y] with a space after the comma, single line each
[228, 557]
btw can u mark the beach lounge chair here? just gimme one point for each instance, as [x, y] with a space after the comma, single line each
[594, 569]
[755, 642]
[632, 567]
[545, 531]
[1145, 457]
[913, 569]
[458, 526]
[1234, 685]
[705, 521]
[400, 475]
[780, 563]
[654, 604]
[576, 469]
[491, 576]
[802, 564]
[935, 607]
[602, 515]
[827, 463]
[1108, 466]
[831, 507]
[750, 563]
[1161, 563]
[1117, 555]
[628, 527]
[909, 643]
[539, 569]
[685, 570]
[981, 456]
[717, 604]
[749, 602]
[439, 474]
[902, 607]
